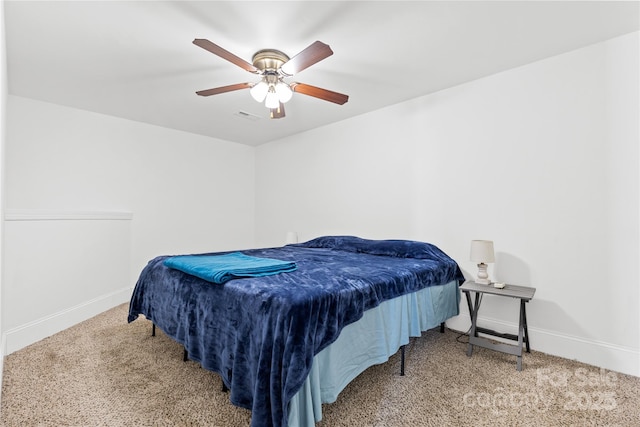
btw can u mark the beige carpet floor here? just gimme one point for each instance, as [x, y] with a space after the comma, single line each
[105, 372]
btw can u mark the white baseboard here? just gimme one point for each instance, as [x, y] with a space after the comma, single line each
[3, 340]
[24, 335]
[622, 359]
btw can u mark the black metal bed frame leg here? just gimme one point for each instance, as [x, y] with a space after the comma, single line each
[224, 386]
[185, 355]
[402, 351]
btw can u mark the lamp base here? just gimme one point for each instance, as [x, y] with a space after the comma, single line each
[483, 276]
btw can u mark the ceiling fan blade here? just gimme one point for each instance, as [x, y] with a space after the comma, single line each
[320, 93]
[277, 113]
[315, 52]
[223, 89]
[225, 54]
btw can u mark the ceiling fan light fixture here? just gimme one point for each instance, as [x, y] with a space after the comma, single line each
[271, 100]
[259, 91]
[283, 91]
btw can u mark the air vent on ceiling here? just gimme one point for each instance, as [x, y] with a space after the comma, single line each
[247, 116]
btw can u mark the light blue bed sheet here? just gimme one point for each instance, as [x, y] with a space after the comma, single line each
[370, 341]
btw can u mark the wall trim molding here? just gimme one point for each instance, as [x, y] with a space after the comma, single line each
[21, 336]
[60, 215]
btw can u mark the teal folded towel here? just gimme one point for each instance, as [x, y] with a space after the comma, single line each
[221, 268]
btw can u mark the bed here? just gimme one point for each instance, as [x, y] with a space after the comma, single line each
[284, 343]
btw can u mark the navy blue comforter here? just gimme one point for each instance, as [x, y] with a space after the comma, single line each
[261, 334]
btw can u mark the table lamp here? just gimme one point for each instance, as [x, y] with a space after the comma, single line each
[482, 253]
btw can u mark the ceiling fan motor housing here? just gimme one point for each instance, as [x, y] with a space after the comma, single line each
[269, 59]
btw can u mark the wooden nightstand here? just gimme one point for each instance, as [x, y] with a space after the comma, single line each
[524, 293]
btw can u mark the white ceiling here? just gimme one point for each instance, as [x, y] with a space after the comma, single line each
[136, 60]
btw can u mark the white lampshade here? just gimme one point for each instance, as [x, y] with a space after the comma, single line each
[272, 100]
[284, 92]
[292, 237]
[259, 91]
[482, 251]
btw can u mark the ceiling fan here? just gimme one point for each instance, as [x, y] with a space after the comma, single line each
[273, 66]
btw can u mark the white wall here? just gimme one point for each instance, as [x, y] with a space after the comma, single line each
[90, 199]
[542, 159]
